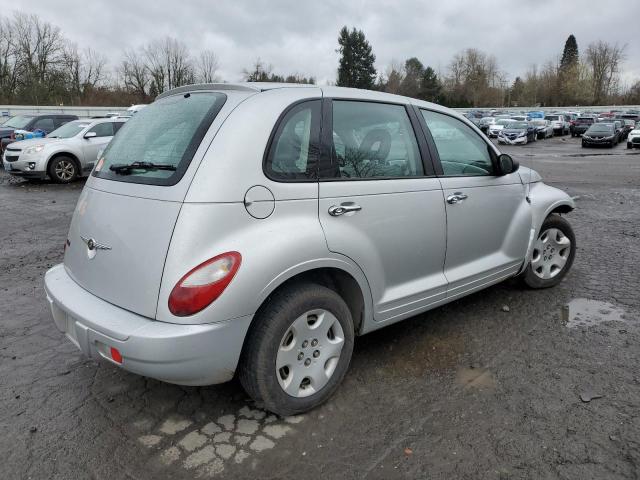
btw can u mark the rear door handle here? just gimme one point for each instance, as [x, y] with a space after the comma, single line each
[457, 197]
[337, 210]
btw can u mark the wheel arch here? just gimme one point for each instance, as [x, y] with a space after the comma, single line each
[345, 279]
[64, 153]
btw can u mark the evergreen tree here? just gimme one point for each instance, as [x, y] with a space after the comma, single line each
[413, 71]
[570, 54]
[356, 61]
[430, 87]
[516, 93]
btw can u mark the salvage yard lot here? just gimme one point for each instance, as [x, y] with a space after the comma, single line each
[500, 384]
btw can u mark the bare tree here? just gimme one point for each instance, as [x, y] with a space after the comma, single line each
[604, 61]
[135, 74]
[206, 67]
[85, 69]
[8, 60]
[40, 49]
[169, 64]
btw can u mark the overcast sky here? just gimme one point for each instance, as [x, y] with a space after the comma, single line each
[301, 36]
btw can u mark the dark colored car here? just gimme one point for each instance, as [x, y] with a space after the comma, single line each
[601, 134]
[29, 123]
[627, 126]
[581, 125]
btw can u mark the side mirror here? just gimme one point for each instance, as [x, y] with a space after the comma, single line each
[90, 135]
[507, 165]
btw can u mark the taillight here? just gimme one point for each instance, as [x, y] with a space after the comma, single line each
[12, 136]
[204, 284]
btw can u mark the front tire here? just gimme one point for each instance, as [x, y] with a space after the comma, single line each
[552, 255]
[62, 170]
[298, 349]
[629, 147]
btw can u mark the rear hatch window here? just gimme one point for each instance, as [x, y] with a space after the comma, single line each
[156, 145]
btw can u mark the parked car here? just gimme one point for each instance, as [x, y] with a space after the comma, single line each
[520, 118]
[633, 140]
[535, 114]
[65, 154]
[517, 133]
[627, 126]
[617, 125]
[581, 125]
[495, 129]
[20, 125]
[226, 228]
[560, 123]
[601, 134]
[543, 127]
[485, 123]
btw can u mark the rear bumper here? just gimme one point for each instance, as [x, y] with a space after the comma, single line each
[175, 353]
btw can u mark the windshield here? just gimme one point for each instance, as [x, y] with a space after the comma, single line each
[19, 121]
[167, 133]
[585, 120]
[552, 117]
[504, 122]
[517, 125]
[69, 130]
[601, 128]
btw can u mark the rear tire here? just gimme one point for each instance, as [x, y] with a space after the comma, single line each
[629, 147]
[551, 257]
[284, 355]
[62, 170]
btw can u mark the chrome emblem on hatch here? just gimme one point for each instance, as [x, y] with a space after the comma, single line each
[93, 246]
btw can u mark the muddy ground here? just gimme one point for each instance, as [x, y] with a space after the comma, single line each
[468, 391]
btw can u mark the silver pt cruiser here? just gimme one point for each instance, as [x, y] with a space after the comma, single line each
[258, 228]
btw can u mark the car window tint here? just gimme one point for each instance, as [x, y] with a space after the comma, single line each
[102, 129]
[461, 150]
[117, 126]
[373, 140]
[293, 153]
[45, 124]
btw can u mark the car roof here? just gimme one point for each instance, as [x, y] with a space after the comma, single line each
[328, 91]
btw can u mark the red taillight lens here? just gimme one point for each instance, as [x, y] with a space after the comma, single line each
[204, 284]
[116, 355]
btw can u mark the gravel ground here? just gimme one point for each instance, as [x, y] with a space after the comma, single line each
[506, 383]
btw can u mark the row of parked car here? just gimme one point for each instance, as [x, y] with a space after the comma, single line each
[604, 128]
[61, 147]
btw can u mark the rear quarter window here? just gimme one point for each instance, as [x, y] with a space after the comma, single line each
[167, 132]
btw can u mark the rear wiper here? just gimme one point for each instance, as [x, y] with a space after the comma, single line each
[126, 168]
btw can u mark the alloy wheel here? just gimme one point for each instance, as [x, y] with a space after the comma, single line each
[65, 170]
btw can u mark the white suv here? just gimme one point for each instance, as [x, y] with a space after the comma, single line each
[65, 154]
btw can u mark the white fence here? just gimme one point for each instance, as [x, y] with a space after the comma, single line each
[11, 110]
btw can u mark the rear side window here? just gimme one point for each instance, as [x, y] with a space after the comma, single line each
[103, 129]
[294, 148]
[117, 126]
[45, 124]
[373, 140]
[167, 134]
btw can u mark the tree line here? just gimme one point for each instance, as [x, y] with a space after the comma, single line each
[39, 65]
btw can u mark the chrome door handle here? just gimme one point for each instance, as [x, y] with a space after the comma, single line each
[337, 210]
[457, 197]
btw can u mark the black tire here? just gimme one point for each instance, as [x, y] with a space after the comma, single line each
[63, 169]
[529, 277]
[583, 144]
[629, 147]
[257, 369]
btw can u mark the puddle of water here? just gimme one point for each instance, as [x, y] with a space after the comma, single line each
[582, 312]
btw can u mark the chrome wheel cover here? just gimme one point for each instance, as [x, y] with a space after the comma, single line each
[550, 253]
[309, 352]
